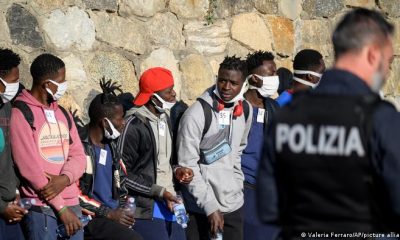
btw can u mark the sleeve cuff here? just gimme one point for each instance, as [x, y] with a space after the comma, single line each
[57, 203]
[3, 206]
[69, 175]
[210, 207]
[157, 191]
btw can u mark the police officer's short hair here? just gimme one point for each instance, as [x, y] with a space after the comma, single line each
[358, 28]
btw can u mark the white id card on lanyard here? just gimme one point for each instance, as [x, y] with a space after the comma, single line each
[260, 115]
[224, 118]
[103, 157]
[50, 116]
[161, 128]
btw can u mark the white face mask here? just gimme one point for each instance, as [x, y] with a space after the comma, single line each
[165, 105]
[302, 81]
[238, 97]
[61, 89]
[10, 90]
[115, 133]
[269, 87]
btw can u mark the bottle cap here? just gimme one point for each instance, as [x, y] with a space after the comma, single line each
[131, 200]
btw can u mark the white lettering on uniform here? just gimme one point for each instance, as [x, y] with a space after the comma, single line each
[332, 140]
[282, 135]
[297, 130]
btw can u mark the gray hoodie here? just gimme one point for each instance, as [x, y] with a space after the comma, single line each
[217, 186]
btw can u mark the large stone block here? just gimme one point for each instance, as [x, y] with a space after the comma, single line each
[108, 5]
[189, 8]
[266, 6]
[45, 6]
[392, 85]
[163, 57]
[165, 30]
[23, 27]
[197, 76]
[360, 3]
[306, 37]
[235, 48]
[322, 8]
[391, 7]
[112, 66]
[226, 8]
[207, 39]
[396, 39]
[76, 76]
[143, 8]
[290, 8]
[282, 33]
[130, 35]
[70, 29]
[4, 32]
[250, 29]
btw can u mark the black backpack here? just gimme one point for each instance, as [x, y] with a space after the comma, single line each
[28, 114]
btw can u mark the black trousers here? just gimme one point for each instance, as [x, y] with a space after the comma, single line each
[103, 228]
[199, 228]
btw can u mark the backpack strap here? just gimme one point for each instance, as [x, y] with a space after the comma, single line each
[271, 106]
[26, 111]
[246, 110]
[64, 111]
[69, 122]
[207, 116]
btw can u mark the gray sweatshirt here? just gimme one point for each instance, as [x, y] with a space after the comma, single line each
[163, 146]
[217, 186]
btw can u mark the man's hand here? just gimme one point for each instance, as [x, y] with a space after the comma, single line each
[71, 221]
[216, 220]
[54, 187]
[170, 200]
[121, 216]
[14, 213]
[184, 175]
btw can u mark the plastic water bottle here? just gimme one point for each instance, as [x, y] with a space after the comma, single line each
[218, 236]
[130, 207]
[180, 213]
[62, 232]
[26, 203]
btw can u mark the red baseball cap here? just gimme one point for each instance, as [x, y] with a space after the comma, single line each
[151, 81]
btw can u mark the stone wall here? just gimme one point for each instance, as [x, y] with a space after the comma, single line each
[119, 39]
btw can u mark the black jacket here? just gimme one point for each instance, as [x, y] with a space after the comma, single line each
[138, 150]
[86, 182]
[8, 180]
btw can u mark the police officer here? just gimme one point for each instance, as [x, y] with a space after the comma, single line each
[332, 157]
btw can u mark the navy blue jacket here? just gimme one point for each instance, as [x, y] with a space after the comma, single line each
[385, 146]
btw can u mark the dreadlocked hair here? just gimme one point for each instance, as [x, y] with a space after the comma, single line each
[234, 63]
[103, 105]
[8, 61]
[256, 59]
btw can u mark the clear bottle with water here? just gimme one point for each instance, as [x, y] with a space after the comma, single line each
[26, 203]
[180, 212]
[130, 207]
[62, 232]
[218, 236]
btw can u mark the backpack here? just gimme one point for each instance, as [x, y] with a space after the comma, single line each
[29, 117]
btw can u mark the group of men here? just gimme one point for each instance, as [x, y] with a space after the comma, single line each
[321, 157]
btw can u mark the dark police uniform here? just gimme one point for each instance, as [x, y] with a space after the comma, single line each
[335, 162]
